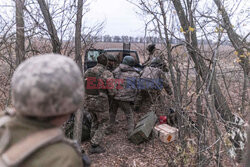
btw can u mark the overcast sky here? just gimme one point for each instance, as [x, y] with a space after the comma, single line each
[121, 18]
[119, 15]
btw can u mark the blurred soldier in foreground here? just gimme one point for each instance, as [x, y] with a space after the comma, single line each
[153, 81]
[45, 90]
[153, 52]
[126, 92]
[96, 102]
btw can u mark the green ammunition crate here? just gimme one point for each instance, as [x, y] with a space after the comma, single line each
[143, 128]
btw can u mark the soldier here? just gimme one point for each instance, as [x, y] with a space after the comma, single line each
[45, 90]
[153, 80]
[111, 65]
[97, 79]
[111, 62]
[153, 52]
[126, 92]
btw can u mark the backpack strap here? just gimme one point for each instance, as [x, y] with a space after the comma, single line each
[17, 153]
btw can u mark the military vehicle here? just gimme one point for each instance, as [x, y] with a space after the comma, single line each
[90, 58]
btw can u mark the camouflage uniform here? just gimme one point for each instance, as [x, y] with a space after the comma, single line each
[111, 62]
[155, 74]
[126, 94]
[156, 53]
[154, 77]
[97, 103]
[44, 88]
[60, 154]
[111, 66]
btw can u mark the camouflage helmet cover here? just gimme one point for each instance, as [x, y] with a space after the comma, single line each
[111, 57]
[128, 60]
[47, 85]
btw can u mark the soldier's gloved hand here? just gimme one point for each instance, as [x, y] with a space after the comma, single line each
[86, 160]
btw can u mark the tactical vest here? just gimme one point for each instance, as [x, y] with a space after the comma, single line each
[149, 79]
[91, 79]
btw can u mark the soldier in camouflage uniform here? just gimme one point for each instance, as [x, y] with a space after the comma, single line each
[126, 92]
[153, 80]
[96, 100]
[111, 65]
[45, 90]
[153, 52]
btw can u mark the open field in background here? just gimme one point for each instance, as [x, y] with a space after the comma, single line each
[226, 57]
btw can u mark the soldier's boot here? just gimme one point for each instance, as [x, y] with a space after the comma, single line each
[130, 125]
[112, 115]
[127, 108]
[130, 130]
[96, 149]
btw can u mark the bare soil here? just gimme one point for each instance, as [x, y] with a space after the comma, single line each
[120, 152]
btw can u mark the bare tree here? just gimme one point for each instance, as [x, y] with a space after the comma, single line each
[78, 58]
[192, 46]
[20, 38]
[51, 27]
[163, 20]
[241, 47]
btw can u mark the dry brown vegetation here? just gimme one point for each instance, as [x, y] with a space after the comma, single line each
[208, 71]
[122, 153]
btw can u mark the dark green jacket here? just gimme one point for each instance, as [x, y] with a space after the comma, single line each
[59, 154]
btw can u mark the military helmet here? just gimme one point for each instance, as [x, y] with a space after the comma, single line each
[102, 59]
[156, 62]
[128, 60]
[46, 86]
[151, 47]
[111, 57]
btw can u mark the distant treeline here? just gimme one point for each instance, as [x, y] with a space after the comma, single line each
[117, 39]
[126, 39]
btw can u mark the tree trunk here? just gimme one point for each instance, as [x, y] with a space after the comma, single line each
[201, 125]
[20, 40]
[78, 58]
[56, 44]
[239, 45]
[220, 102]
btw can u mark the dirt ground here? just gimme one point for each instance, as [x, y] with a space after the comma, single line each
[120, 152]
